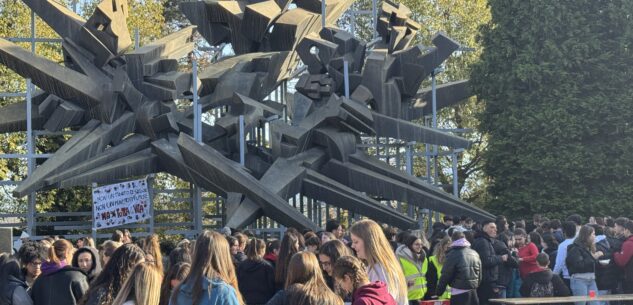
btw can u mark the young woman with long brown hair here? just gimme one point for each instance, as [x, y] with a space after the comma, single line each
[212, 278]
[290, 245]
[329, 253]
[351, 278]
[305, 284]
[581, 261]
[142, 287]
[175, 275]
[371, 245]
[107, 285]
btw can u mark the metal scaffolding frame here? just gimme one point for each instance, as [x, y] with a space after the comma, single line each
[394, 152]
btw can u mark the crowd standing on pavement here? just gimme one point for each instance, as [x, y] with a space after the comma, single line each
[459, 262]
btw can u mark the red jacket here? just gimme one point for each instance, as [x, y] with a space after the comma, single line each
[373, 294]
[623, 257]
[528, 264]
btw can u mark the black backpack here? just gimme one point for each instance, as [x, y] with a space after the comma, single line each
[540, 290]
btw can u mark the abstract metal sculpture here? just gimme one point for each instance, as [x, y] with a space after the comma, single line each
[123, 103]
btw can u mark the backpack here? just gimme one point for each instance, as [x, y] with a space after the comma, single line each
[540, 290]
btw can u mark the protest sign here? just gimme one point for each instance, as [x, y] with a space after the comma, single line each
[120, 203]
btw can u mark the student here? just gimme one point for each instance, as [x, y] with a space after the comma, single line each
[109, 246]
[175, 275]
[305, 284]
[543, 283]
[330, 252]
[289, 246]
[141, 287]
[624, 257]
[212, 279]
[569, 230]
[581, 262]
[256, 277]
[152, 252]
[31, 254]
[507, 271]
[351, 277]
[527, 253]
[59, 283]
[108, 283]
[415, 266]
[372, 246]
[272, 251]
[13, 289]
[462, 270]
[436, 261]
[87, 259]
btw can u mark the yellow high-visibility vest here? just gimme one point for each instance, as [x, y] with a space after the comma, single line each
[438, 267]
[416, 275]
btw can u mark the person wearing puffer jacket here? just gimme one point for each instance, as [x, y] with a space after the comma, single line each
[350, 275]
[415, 265]
[462, 271]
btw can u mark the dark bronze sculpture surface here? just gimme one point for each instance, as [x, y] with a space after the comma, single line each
[122, 102]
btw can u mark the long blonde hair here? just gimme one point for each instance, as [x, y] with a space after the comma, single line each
[212, 259]
[143, 286]
[378, 251]
[305, 284]
[441, 248]
[152, 247]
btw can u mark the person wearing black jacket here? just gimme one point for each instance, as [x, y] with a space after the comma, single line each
[608, 275]
[545, 277]
[461, 271]
[490, 261]
[13, 289]
[59, 283]
[502, 246]
[581, 262]
[256, 276]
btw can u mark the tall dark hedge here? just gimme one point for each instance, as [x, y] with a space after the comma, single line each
[557, 81]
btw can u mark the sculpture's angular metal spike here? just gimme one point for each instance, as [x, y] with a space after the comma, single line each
[128, 147]
[321, 187]
[365, 180]
[87, 143]
[232, 178]
[13, 117]
[386, 126]
[51, 77]
[140, 163]
[447, 95]
[382, 169]
[61, 19]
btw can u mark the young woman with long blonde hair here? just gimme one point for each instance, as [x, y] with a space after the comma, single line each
[141, 287]
[212, 279]
[371, 245]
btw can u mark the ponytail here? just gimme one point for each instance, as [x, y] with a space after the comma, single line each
[59, 251]
[352, 267]
[256, 249]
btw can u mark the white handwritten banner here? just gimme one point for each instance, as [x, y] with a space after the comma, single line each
[121, 203]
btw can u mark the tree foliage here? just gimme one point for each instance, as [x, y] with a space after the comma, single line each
[555, 77]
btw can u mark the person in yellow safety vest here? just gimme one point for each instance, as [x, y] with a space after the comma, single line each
[436, 261]
[414, 264]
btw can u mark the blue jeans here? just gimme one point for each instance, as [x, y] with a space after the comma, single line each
[581, 287]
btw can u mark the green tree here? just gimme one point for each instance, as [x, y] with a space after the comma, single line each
[555, 78]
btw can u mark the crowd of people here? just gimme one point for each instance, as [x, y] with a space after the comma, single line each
[461, 261]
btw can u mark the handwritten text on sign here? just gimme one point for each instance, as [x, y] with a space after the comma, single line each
[121, 203]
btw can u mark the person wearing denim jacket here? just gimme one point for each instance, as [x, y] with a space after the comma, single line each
[212, 280]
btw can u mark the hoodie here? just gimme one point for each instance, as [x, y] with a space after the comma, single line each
[257, 281]
[373, 294]
[544, 276]
[96, 262]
